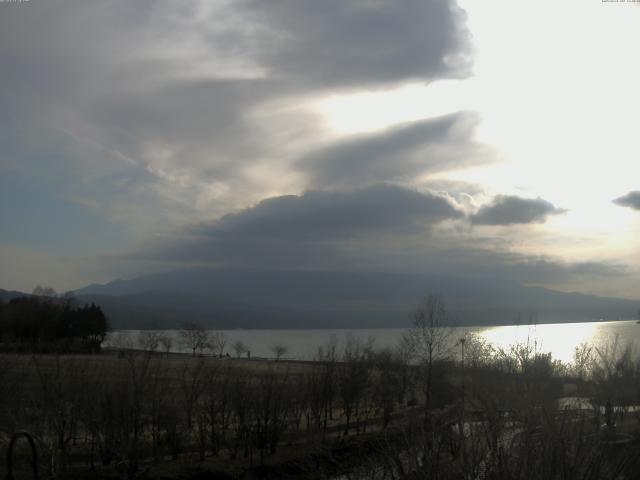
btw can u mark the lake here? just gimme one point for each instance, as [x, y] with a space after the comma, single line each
[559, 339]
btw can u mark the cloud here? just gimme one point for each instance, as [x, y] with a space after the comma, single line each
[379, 228]
[313, 229]
[178, 96]
[631, 200]
[339, 214]
[337, 43]
[509, 210]
[400, 152]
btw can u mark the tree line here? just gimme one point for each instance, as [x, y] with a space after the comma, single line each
[40, 323]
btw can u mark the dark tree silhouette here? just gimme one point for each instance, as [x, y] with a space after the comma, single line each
[44, 323]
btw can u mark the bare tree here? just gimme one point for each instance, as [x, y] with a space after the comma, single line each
[41, 291]
[386, 383]
[57, 395]
[120, 341]
[354, 378]
[477, 351]
[321, 384]
[402, 354]
[239, 347]
[273, 401]
[430, 337]
[192, 384]
[217, 343]
[279, 350]
[149, 340]
[583, 358]
[166, 341]
[194, 337]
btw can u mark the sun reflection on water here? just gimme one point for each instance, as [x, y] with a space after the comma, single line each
[559, 339]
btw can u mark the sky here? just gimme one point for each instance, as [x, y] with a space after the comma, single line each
[494, 139]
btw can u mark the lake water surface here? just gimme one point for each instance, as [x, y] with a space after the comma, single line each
[559, 339]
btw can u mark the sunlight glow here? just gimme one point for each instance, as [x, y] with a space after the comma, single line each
[370, 111]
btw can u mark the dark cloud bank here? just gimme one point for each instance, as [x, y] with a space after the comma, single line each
[319, 229]
[327, 215]
[631, 200]
[337, 43]
[379, 228]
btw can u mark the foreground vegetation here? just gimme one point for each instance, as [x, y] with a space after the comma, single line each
[417, 411]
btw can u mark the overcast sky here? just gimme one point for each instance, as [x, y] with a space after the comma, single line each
[493, 138]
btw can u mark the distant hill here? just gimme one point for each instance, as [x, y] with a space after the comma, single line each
[247, 298]
[7, 295]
